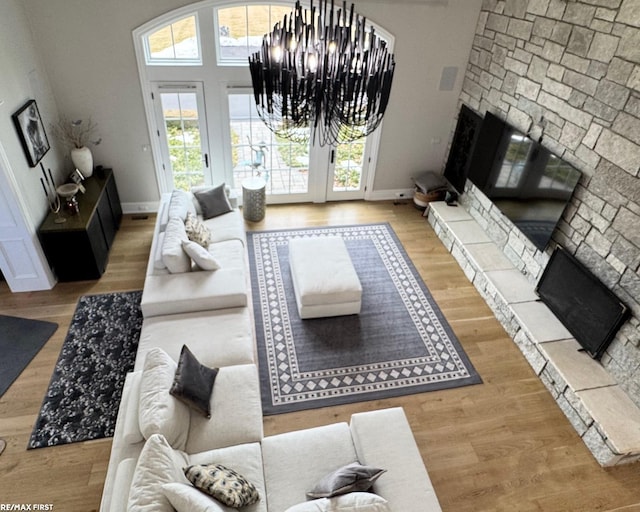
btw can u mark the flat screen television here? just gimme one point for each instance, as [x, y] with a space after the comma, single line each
[530, 185]
[585, 306]
[464, 138]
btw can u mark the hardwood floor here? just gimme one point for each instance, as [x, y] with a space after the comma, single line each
[503, 445]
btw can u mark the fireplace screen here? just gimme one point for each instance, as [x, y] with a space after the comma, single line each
[586, 307]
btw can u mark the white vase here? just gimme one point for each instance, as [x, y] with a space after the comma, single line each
[83, 160]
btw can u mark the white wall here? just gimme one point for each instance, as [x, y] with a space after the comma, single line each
[93, 72]
[23, 78]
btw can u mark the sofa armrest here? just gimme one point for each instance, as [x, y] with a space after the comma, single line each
[122, 446]
[384, 439]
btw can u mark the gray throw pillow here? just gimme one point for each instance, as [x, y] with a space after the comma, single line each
[349, 478]
[193, 383]
[213, 202]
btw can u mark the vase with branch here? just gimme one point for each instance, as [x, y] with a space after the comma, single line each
[77, 135]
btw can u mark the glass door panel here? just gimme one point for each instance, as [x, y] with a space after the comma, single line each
[347, 178]
[256, 151]
[180, 112]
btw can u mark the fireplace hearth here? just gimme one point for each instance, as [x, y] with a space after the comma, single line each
[599, 409]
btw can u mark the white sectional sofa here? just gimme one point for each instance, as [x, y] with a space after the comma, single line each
[156, 435]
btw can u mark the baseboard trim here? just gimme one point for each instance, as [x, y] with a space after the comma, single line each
[148, 207]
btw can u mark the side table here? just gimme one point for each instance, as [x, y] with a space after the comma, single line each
[254, 199]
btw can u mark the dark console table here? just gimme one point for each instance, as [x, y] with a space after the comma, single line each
[78, 249]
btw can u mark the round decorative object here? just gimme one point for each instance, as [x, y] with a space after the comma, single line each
[83, 160]
[254, 200]
[421, 200]
[67, 190]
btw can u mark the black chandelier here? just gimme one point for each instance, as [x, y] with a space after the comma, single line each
[320, 72]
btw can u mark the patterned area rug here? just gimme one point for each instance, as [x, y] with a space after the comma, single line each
[399, 344]
[86, 386]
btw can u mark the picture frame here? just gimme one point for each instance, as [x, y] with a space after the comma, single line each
[31, 131]
[77, 178]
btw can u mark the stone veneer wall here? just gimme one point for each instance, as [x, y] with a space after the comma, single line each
[575, 63]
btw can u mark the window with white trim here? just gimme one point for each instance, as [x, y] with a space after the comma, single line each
[241, 29]
[175, 44]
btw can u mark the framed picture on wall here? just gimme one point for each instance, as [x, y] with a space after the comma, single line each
[31, 131]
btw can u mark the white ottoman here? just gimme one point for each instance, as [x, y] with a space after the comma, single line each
[324, 280]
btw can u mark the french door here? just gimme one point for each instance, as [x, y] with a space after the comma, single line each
[348, 171]
[182, 132]
[294, 172]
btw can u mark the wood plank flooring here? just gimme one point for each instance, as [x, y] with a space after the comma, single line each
[503, 445]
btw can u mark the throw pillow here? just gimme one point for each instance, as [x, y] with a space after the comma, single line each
[200, 256]
[173, 256]
[180, 204]
[158, 411]
[193, 383]
[352, 502]
[186, 498]
[224, 484]
[197, 231]
[213, 202]
[349, 478]
[157, 465]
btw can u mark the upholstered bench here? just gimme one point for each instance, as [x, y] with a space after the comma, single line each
[324, 280]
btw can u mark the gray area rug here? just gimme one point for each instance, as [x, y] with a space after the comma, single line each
[20, 340]
[399, 344]
[86, 386]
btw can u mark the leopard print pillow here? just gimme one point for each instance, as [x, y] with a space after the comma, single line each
[224, 484]
[196, 230]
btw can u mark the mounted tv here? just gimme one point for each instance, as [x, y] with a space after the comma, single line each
[462, 145]
[585, 306]
[530, 185]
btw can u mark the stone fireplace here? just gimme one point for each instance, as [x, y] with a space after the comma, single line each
[575, 65]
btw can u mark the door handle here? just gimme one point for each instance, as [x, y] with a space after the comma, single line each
[206, 160]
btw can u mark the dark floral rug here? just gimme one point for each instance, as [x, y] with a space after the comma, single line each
[86, 386]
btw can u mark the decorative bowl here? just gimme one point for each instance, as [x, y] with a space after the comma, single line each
[67, 190]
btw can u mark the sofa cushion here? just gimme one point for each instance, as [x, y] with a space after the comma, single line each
[349, 478]
[352, 502]
[197, 231]
[173, 256]
[194, 291]
[157, 465]
[223, 483]
[213, 202]
[158, 411]
[180, 204]
[295, 461]
[229, 226]
[193, 383]
[230, 343]
[384, 438]
[202, 258]
[236, 411]
[246, 459]
[186, 498]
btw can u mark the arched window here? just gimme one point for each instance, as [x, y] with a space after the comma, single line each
[175, 44]
[241, 28]
[203, 125]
